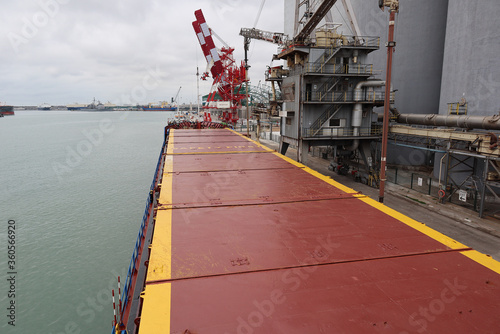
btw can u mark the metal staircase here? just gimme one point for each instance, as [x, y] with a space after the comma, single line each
[329, 53]
[329, 85]
[329, 113]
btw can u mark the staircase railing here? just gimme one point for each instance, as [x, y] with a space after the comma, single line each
[330, 84]
[329, 113]
[325, 58]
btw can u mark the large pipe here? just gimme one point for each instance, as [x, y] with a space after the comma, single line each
[453, 121]
[394, 111]
[357, 111]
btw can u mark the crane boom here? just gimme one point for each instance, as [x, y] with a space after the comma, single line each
[273, 37]
[177, 95]
[207, 44]
[316, 17]
[219, 38]
[352, 17]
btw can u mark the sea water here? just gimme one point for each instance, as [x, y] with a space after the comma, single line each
[74, 186]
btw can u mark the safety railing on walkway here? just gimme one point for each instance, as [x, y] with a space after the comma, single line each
[457, 108]
[346, 96]
[363, 41]
[329, 97]
[415, 181]
[333, 132]
[323, 68]
[356, 41]
[329, 113]
[325, 57]
[427, 185]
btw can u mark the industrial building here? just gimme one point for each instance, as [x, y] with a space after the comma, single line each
[445, 77]
[446, 50]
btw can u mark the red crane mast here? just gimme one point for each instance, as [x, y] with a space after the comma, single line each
[226, 92]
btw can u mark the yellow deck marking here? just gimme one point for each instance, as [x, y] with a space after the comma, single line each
[219, 152]
[250, 140]
[483, 259]
[307, 169]
[166, 187]
[453, 244]
[160, 262]
[170, 147]
[290, 161]
[156, 312]
[155, 316]
[445, 240]
[169, 165]
[330, 181]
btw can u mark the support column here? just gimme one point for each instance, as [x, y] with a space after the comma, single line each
[299, 151]
[304, 151]
[394, 7]
[483, 187]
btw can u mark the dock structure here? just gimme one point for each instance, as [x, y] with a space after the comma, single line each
[246, 240]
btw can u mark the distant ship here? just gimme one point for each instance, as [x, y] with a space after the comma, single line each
[6, 110]
[76, 106]
[44, 106]
[162, 106]
[94, 106]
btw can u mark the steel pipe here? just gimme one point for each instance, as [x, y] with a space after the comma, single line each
[452, 121]
[357, 111]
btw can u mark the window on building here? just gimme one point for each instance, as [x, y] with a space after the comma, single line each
[335, 122]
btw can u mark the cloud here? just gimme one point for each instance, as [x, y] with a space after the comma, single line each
[66, 51]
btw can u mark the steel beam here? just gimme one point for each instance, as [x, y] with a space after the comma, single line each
[318, 15]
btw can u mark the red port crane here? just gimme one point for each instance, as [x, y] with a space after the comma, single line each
[226, 92]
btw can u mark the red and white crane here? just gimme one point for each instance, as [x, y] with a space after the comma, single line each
[227, 75]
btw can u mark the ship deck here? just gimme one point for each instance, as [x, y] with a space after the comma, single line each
[246, 240]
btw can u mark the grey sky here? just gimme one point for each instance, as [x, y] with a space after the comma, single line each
[128, 51]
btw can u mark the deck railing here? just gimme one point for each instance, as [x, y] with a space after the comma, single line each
[338, 132]
[134, 261]
[352, 69]
[346, 96]
[457, 108]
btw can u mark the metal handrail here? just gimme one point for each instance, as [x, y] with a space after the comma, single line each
[360, 69]
[337, 132]
[326, 56]
[356, 69]
[140, 236]
[346, 96]
[351, 41]
[329, 84]
[457, 108]
[329, 113]
[347, 40]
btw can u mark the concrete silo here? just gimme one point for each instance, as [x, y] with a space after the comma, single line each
[471, 62]
[420, 37]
